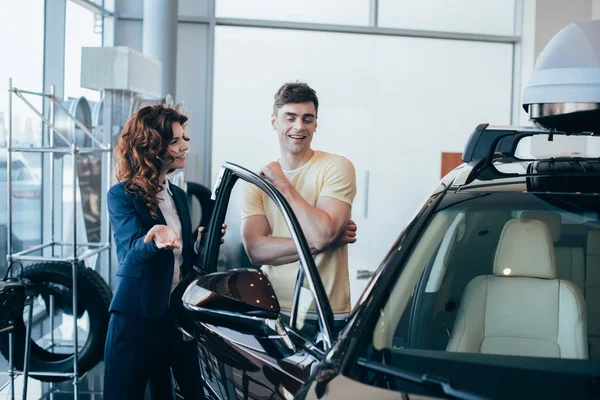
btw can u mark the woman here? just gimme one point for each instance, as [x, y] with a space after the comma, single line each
[155, 248]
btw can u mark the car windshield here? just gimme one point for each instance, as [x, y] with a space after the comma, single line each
[498, 276]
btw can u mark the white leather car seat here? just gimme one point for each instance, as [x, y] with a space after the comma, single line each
[570, 261]
[522, 309]
[592, 292]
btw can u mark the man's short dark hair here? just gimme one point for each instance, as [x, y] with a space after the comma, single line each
[296, 92]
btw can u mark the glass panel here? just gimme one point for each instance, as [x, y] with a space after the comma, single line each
[468, 256]
[83, 29]
[495, 17]
[494, 280]
[346, 12]
[307, 320]
[109, 5]
[232, 253]
[23, 48]
[192, 8]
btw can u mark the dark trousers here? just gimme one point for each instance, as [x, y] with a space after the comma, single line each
[143, 351]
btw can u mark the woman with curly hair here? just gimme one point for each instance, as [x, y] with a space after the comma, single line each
[153, 236]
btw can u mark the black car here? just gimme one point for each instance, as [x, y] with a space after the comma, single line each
[491, 291]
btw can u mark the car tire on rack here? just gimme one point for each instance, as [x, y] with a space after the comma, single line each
[94, 296]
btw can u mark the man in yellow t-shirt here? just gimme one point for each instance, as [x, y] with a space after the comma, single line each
[320, 188]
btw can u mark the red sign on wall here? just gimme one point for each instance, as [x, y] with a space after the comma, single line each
[450, 161]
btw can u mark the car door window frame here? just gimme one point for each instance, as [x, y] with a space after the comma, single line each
[230, 173]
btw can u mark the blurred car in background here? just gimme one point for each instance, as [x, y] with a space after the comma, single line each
[27, 205]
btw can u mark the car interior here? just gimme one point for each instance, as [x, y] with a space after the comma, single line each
[522, 282]
[522, 308]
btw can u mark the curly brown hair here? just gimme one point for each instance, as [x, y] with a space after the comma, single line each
[142, 145]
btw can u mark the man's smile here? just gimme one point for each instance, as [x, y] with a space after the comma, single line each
[297, 137]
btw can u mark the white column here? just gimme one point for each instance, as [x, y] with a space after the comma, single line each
[160, 39]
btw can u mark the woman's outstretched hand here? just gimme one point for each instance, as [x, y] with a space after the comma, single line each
[164, 237]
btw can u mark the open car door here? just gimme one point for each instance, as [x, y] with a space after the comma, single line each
[248, 347]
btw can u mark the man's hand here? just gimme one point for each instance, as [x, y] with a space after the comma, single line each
[274, 174]
[347, 236]
[164, 237]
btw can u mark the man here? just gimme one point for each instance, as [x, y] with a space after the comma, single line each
[320, 188]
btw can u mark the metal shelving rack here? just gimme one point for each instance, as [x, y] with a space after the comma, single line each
[76, 257]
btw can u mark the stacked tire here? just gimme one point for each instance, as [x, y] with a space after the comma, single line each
[94, 296]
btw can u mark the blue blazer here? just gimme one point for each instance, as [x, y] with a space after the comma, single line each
[145, 273]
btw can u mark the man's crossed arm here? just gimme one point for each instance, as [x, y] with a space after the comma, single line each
[327, 224]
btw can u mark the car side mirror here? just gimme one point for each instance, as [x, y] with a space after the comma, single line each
[242, 300]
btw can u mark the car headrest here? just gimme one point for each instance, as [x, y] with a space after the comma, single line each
[525, 249]
[553, 220]
[593, 243]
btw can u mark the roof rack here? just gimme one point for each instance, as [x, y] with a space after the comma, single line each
[492, 143]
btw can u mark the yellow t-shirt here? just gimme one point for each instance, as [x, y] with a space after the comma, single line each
[324, 174]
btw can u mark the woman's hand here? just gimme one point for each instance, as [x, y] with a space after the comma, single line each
[201, 232]
[164, 237]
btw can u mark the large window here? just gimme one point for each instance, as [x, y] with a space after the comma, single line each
[391, 105]
[347, 12]
[82, 30]
[23, 51]
[495, 17]
[193, 8]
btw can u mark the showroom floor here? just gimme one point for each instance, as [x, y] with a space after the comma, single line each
[89, 389]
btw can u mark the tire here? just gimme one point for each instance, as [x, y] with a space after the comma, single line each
[203, 195]
[94, 296]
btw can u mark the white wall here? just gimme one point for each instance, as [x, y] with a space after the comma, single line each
[553, 15]
[391, 105]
